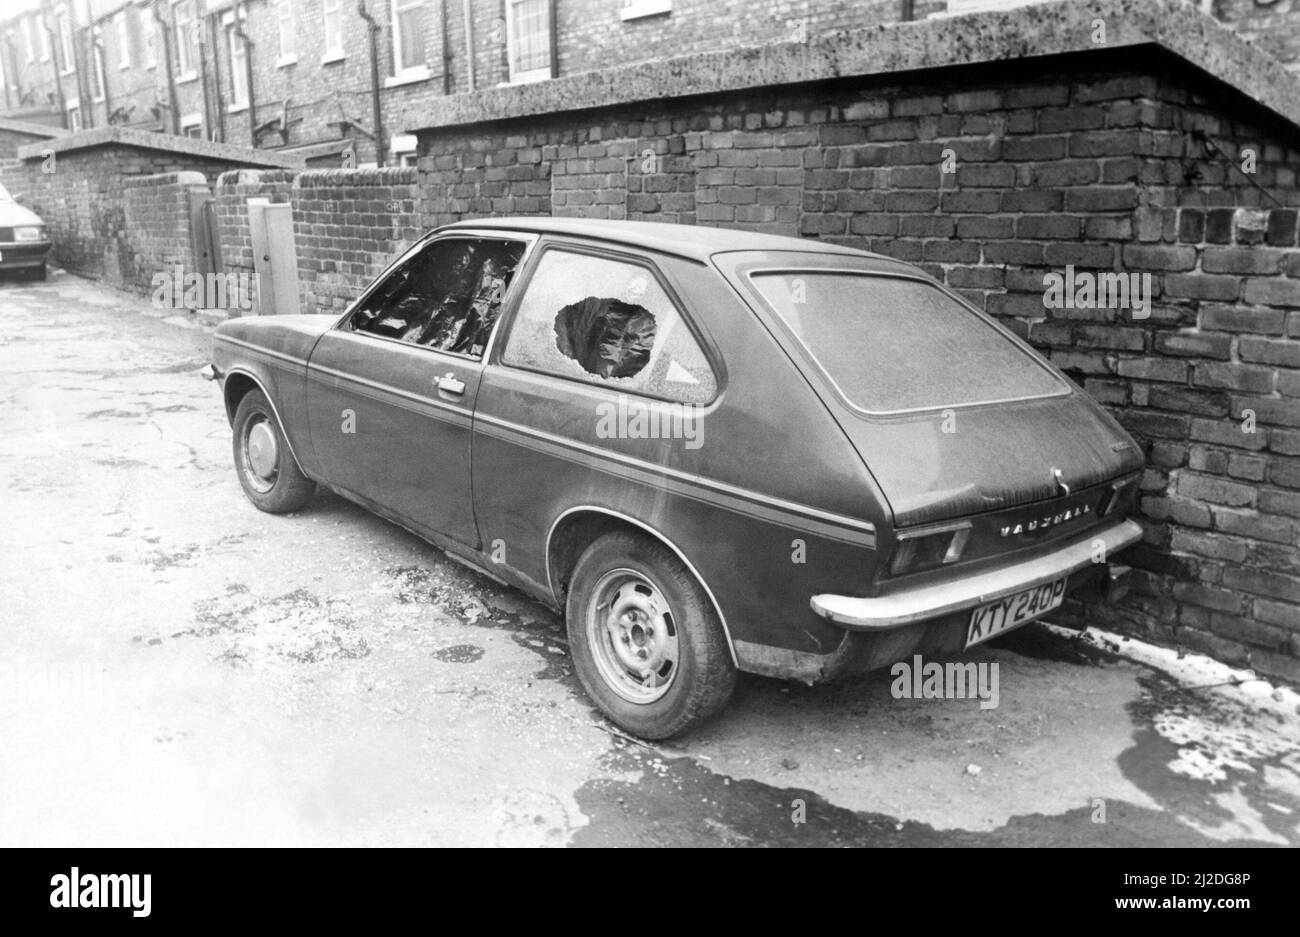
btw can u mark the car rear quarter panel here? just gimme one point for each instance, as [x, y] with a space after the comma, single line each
[773, 506]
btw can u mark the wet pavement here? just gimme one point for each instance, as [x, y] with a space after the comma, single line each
[177, 668]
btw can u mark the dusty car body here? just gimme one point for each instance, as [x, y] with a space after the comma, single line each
[23, 244]
[712, 450]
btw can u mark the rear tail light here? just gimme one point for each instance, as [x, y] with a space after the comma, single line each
[1117, 497]
[929, 550]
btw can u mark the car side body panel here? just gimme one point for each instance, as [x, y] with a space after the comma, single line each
[772, 503]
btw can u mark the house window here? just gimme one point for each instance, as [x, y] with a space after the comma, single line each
[150, 38]
[124, 40]
[528, 39]
[402, 146]
[238, 69]
[408, 38]
[43, 35]
[29, 41]
[65, 43]
[74, 115]
[192, 126]
[96, 71]
[284, 22]
[183, 38]
[332, 14]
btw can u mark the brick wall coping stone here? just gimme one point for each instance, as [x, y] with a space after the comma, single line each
[328, 178]
[1025, 32]
[165, 178]
[32, 129]
[143, 139]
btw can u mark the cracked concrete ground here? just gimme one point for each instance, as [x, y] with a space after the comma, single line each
[177, 668]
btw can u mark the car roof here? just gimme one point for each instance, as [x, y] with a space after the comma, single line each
[691, 241]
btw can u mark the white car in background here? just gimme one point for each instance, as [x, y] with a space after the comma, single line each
[23, 244]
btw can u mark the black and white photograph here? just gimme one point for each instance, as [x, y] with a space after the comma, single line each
[650, 423]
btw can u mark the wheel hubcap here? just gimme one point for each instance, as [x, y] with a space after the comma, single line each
[262, 450]
[633, 636]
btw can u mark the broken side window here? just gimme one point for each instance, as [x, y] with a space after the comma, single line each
[446, 297]
[607, 322]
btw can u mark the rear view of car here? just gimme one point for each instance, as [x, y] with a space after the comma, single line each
[1007, 485]
[23, 245]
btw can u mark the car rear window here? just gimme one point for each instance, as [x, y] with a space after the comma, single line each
[892, 343]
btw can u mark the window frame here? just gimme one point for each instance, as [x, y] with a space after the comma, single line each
[74, 109]
[402, 75]
[285, 23]
[98, 72]
[328, 9]
[508, 302]
[533, 74]
[183, 38]
[238, 67]
[124, 39]
[813, 365]
[63, 18]
[505, 328]
[30, 24]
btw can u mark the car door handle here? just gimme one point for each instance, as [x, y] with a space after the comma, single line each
[448, 384]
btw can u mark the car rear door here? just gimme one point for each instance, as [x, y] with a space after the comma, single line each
[391, 389]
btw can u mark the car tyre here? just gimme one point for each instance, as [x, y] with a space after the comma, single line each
[38, 273]
[266, 468]
[647, 645]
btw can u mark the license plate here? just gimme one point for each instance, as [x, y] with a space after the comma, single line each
[991, 620]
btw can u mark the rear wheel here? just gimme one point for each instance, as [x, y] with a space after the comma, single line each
[647, 645]
[267, 471]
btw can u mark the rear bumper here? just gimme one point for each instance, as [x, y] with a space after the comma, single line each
[16, 254]
[887, 612]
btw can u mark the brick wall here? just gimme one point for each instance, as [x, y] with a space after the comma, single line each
[232, 192]
[348, 225]
[156, 234]
[1274, 27]
[1093, 161]
[82, 200]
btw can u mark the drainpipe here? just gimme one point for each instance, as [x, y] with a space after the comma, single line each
[10, 57]
[446, 50]
[374, 82]
[84, 92]
[248, 75]
[469, 45]
[907, 11]
[55, 51]
[214, 35]
[203, 72]
[172, 103]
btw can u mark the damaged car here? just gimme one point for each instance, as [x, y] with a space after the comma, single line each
[712, 451]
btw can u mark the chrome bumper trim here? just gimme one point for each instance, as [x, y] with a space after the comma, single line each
[883, 612]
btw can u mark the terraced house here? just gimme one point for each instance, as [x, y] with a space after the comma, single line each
[342, 81]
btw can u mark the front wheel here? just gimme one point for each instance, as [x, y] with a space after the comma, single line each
[266, 468]
[647, 645]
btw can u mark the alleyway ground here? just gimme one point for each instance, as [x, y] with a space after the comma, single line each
[177, 668]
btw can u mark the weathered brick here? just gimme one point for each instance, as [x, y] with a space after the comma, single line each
[1151, 257]
[1237, 319]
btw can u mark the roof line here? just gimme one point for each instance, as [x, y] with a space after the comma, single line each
[1025, 32]
[143, 139]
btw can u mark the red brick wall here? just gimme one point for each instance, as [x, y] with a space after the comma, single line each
[156, 231]
[348, 225]
[1099, 163]
[232, 192]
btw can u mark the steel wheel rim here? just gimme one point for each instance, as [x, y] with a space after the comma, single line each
[633, 636]
[261, 453]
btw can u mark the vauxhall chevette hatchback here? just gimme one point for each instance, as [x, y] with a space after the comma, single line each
[713, 451]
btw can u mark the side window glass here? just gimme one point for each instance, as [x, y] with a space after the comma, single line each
[448, 296]
[607, 322]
